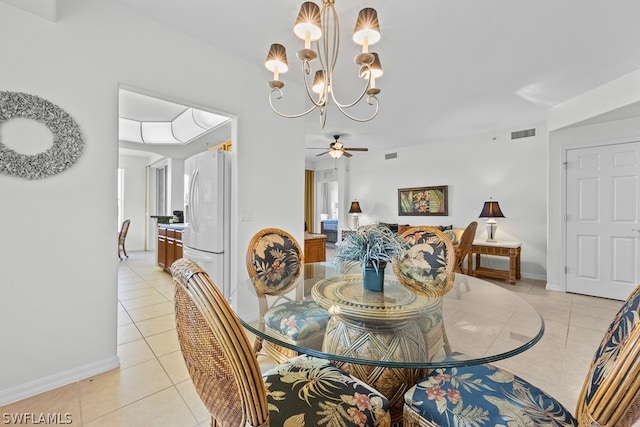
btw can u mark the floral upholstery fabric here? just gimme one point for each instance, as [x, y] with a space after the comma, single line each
[276, 261]
[617, 335]
[484, 395]
[297, 319]
[426, 257]
[335, 398]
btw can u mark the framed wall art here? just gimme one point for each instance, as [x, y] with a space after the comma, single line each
[421, 201]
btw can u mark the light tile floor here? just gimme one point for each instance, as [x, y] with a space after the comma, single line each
[152, 386]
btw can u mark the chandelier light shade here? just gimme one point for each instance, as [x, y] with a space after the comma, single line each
[276, 62]
[367, 31]
[308, 24]
[320, 26]
[491, 210]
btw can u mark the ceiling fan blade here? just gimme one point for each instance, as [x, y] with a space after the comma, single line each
[322, 154]
[344, 153]
[356, 149]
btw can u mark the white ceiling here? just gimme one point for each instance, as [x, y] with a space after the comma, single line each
[452, 68]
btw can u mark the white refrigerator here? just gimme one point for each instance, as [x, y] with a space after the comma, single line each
[206, 239]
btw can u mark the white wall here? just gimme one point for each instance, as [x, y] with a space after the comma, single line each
[474, 168]
[59, 279]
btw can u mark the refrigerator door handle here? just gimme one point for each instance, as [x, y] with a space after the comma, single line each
[194, 212]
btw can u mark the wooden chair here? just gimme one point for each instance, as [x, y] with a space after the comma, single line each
[427, 267]
[610, 394]
[274, 262]
[464, 246]
[122, 236]
[226, 374]
[462, 251]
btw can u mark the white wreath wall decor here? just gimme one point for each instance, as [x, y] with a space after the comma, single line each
[67, 139]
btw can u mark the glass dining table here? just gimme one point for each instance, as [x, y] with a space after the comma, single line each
[390, 339]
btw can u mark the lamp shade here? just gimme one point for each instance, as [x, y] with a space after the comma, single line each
[491, 209]
[319, 81]
[308, 24]
[376, 68]
[367, 28]
[277, 59]
[355, 207]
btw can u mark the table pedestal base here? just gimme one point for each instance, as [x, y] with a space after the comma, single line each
[379, 342]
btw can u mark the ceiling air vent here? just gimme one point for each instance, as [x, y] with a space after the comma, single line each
[389, 156]
[527, 133]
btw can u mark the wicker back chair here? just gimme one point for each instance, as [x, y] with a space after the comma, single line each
[274, 263]
[430, 257]
[427, 267]
[610, 395]
[122, 236]
[225, 372]
[462, 251]
[464, 246]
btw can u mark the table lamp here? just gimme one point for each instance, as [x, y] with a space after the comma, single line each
[491, 210]
[355, 210]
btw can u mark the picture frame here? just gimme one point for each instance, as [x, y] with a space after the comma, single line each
[423, 201]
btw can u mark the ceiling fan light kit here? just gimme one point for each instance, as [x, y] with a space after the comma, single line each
[322, 27]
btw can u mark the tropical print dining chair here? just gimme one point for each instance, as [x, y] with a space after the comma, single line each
[427, 267]
[274, 263]
[485, 395]
[225, 371]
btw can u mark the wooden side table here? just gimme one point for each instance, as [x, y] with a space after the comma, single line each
[505, 249]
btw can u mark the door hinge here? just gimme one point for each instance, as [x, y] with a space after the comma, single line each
[566, 269]
[566, 165]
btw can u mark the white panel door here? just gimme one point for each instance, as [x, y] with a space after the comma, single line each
[602, 227]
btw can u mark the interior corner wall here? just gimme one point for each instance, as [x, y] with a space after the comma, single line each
[474, 168]
[59, 292]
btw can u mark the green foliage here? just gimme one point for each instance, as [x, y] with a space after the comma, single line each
[372, 245]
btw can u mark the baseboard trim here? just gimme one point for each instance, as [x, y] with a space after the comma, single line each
[23, 391]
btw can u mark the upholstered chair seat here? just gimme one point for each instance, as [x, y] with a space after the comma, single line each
[225, 372]
[485, 395]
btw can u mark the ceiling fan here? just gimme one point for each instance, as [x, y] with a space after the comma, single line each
[337, 149]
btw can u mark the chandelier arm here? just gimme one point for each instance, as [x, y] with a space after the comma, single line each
[288, 116]
[371, 100]
[358, 99]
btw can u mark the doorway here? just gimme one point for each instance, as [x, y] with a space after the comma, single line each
[327, 204]
[602, 208]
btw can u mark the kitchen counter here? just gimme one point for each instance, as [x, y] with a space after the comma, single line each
[174, 226]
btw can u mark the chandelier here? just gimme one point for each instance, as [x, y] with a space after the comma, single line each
[322, 27]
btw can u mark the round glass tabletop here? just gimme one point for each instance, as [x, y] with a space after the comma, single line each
[327, 313]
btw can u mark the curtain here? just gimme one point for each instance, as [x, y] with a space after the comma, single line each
[309, 197]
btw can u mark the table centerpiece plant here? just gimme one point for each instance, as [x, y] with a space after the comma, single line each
[372, 246]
